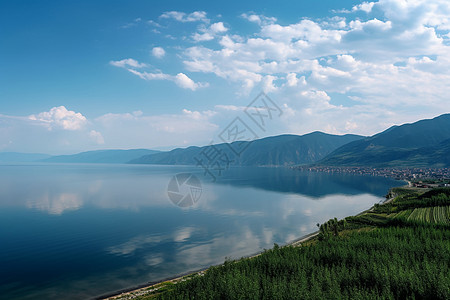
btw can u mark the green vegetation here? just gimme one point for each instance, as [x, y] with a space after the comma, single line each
[425, 143]
[400, 250]
[281, 150]
[436, 214]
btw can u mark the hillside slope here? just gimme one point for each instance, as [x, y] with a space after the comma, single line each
[425, 143]
[101, 156]
[279, 150]
[21, 157]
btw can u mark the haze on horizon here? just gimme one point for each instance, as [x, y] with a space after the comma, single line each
[85, 76]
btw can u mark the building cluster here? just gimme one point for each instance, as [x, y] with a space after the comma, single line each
[414, 175]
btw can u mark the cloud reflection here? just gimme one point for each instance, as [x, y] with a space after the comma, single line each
[56, 204]
[135, 243]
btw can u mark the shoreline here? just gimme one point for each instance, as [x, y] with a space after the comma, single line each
[147, 287]
[179, 277]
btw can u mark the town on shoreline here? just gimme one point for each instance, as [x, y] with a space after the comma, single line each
[416, 177]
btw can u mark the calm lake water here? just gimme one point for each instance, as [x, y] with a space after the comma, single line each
[80, 231]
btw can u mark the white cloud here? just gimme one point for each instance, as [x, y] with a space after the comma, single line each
[229, 107]
[209, 33]
[365, 6]
[150, 76]
[189, 127]
[57, 131]
[201, 37]
[181, 79]
[396, 64]
[316, 95]
[109, 131]
[128, 62]
[386, 60]
[196, 16]
[268, 85]
[258, 19]
[60, 117]
[158, 52]
[218, 27]
[153, 23]
[96, 137]
[293, 81]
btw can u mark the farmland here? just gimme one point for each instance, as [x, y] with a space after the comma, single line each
[436, 214]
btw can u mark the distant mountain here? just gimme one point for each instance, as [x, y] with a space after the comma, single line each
[425, 143]
[101, 156]
[16, 157]
[282, 150]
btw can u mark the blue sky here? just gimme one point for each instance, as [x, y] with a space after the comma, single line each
[83, 75]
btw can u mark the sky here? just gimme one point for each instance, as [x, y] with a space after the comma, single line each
[86, 75]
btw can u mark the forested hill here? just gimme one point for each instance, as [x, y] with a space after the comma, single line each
[281, 150]
[425, 143]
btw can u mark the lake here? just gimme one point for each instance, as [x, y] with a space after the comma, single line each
[72, 231]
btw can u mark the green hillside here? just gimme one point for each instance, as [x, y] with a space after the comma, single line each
[271, 151]
[422, 144]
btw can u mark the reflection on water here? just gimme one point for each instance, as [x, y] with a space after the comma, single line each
[78, 231]
[56, 204]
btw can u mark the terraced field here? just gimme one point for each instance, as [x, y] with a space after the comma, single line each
[436, 214]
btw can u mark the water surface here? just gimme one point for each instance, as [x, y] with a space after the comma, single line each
[79, 231]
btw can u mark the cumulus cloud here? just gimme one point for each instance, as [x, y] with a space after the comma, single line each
[195, 16]
[209, 33]
[60, 117]
[218, 27]
[258, 19]
[158, 52]
[201, 37]
[297, 47]
[365, 6]
[391, 60]
[268, 83]
[57, 131]
[182, 80]
[60, 131]
[384, 60]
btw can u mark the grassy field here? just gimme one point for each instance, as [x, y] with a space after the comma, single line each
[399, 250]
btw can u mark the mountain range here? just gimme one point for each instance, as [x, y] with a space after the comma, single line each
[425, 143]
[281, 150]
[14, 157]
[101, 156]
